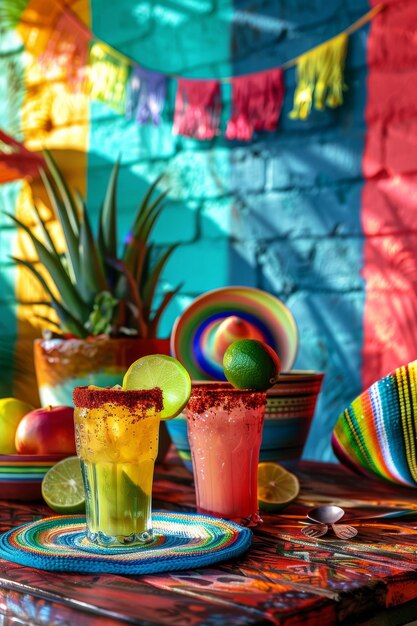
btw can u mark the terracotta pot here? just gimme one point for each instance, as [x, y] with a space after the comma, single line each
[62, 364]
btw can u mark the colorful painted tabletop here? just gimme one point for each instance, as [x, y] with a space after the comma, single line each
[284, 579]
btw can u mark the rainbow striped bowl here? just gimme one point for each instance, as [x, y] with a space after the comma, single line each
[376, 434]
[21, 475]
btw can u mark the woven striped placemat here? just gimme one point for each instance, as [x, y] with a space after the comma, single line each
[181, 541]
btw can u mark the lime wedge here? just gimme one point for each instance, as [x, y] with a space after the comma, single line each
[62, 487]
[165, 372]
[276, 487]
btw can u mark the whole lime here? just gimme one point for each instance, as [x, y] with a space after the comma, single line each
[251, 364]
[11, 412]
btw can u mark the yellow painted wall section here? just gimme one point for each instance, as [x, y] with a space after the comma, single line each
[53, 117]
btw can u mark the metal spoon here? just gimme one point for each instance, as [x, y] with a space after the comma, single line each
[330, 514]
[327, 515]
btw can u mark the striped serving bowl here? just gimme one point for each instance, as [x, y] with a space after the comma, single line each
[21, 475]
[289, 411]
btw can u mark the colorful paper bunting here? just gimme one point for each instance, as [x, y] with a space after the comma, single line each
[68, 47]
[107, 76]
[146, 95]
[37, 23]
[54, 34]
[320, 75]
[16, 161]
[257, 102]
[197, 108]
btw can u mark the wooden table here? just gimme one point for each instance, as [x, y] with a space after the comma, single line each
[284, 579]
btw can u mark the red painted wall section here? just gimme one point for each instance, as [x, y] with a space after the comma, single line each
[389, 199]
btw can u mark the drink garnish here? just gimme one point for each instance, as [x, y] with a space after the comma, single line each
[62, 487]
[277, 487]
[251, 364]
[166, 373]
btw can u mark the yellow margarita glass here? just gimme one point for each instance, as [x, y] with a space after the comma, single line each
[117, 442]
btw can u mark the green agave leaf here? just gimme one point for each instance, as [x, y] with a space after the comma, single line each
[154, 323]
[151, 284]
[137, 257]
[71, 238]
[120, 314]
[93, 279]
[145, 201]
[127, 289]
[63, 189]
[68, 321]
[42, 318]
[145, 212]
[70, 298]
[145, 248]
[48, 239]
[107, 221]
[139, 247]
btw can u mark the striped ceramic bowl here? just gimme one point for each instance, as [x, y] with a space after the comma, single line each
[289, 411]
[21, 475]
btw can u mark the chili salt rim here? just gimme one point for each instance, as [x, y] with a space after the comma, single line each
[212, 395]
[84, 397]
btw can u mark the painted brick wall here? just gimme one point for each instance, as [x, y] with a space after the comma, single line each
[281, 213]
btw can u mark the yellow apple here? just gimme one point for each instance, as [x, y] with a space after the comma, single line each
[11, 412]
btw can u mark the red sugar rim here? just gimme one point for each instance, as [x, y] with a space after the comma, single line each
[85, 397]
[205, 395]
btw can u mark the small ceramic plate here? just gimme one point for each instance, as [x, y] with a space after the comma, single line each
[21, 475]
[196, 331]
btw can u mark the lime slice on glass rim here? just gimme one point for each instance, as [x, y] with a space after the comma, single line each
[165, 372]
[277, 487]
[62, 487]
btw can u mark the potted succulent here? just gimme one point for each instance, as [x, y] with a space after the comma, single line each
[103, 299]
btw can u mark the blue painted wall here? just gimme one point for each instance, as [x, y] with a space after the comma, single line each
[299, 197]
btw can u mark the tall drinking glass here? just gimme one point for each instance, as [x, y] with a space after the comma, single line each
[116, 435]
[225, 433]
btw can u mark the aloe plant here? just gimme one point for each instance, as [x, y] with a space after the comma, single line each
[99, 290]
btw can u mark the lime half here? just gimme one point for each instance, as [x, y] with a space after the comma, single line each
[165, 372]
[62, 487]
[277, 487]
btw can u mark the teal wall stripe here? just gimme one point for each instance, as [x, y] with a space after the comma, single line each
[8, 305]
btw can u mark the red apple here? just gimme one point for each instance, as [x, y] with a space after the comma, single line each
[49, 430]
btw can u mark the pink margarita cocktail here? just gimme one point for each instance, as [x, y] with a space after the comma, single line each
[225, 433]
